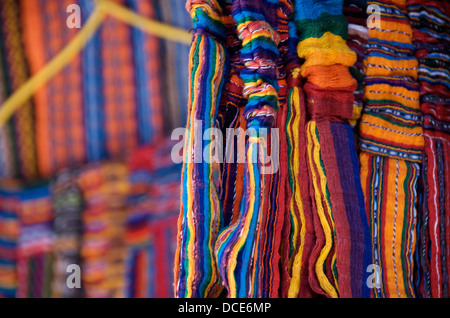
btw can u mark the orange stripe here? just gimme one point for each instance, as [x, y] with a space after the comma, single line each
[33, 38]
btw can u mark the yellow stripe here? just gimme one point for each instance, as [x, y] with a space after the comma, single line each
[294, 286]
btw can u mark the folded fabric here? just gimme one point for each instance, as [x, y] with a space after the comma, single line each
[431, 42]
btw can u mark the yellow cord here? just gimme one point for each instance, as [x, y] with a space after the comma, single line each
[16, 100]
[151, 26]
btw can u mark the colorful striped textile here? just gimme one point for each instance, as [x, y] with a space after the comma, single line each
[299, 225]
[21, 127]
[26, 241]
[278, 280]
[67, 204]
[230, 120]
[35, 245]
[93, 91]
[147, 59]
[59, 135]
[111, 98]
[111, 102]
[105, 188]
[431, 39]
[9, 238]
[353, 114]
[338, 260]
[151, 223]
[119, 90]
[196, 272]
[274, 236]
[390, 187]
[174, 61]
[391, 140]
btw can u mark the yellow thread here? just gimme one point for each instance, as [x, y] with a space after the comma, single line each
[314, 156]
[294, 286]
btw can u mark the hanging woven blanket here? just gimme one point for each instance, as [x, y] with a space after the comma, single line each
[151, 223]
[431, 39]
[391, 140]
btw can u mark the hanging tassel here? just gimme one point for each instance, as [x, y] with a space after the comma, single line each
[238, 248]
[196, 269]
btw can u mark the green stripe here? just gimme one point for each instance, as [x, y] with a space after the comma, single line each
[394, 122]
[388, 101]
[336, 24]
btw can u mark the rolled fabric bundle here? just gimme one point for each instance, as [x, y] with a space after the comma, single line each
[105, 189]
[391, 141]
[16, 74]
[430, 35]
[35, 245]
[338, 259]
[196, 270]
[67, 204]
[9, 239]
[151, 223]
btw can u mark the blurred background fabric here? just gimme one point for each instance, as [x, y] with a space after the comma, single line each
[86, 175]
